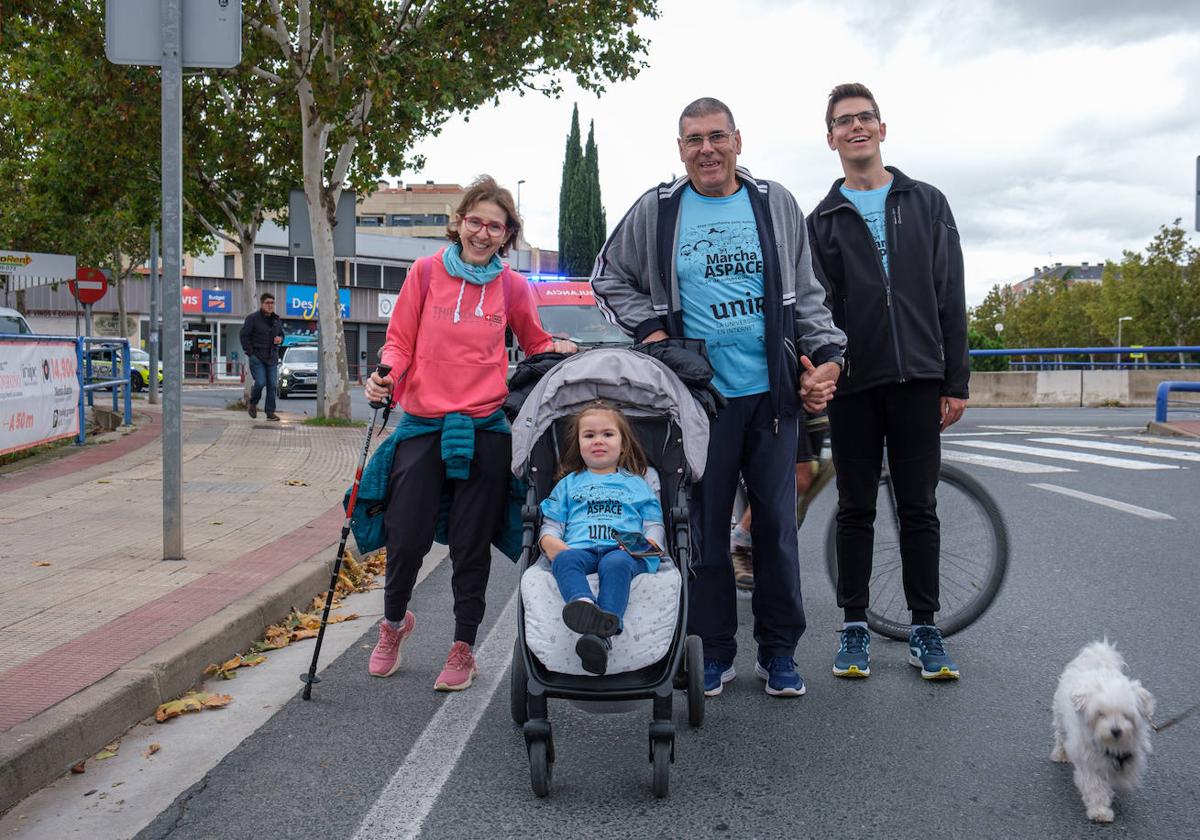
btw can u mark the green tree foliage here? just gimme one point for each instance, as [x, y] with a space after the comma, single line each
[371, 77]
[1159, 289]
[572, 204]
[596, 228]
[979, 341]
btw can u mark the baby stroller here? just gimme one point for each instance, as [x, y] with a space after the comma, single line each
[654, 656]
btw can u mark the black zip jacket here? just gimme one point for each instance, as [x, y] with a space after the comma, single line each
[258, 336]
[911, 323]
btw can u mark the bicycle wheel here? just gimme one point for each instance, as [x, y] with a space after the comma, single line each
[973, 560]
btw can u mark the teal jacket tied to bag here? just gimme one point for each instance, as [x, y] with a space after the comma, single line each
[458, 449]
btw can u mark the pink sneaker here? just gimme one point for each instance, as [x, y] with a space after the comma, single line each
[460, 669]
[385, 659]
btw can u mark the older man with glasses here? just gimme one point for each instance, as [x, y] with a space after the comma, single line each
[723, 256]
[887, 248]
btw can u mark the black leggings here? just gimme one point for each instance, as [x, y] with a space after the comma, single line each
[415, 489]
[908, 417]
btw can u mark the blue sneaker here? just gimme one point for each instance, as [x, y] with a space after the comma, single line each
[780, 674]
[854, 653]
[716, 673]
[927, 652]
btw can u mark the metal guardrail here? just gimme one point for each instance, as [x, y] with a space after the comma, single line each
[88, 384]
[1092, 351]
[1164, 389]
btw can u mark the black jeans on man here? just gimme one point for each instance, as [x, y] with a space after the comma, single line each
[743, 439]
[908, 417]
[415, 488]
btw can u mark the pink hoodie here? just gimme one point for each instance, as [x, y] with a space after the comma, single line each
[458, 367]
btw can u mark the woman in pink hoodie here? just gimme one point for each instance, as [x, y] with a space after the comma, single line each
[445, 347]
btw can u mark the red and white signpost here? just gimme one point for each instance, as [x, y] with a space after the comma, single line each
[88, 287]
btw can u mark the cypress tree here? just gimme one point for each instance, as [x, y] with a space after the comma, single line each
[569, 200]
[596, 227]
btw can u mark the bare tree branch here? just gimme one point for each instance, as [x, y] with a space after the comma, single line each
[267, 74]
[220, 234]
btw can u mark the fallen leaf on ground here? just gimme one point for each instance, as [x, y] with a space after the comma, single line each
[217, 522]
[295, 482]
[151, 750]
[103, 754]
[103, 481]
[90, 792]
[42, 563]
[79, 768]
[190, 702]
[113, 745]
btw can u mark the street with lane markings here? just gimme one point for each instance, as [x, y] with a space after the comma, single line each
[1105, 529]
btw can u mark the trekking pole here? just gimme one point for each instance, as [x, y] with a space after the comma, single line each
[311, 677]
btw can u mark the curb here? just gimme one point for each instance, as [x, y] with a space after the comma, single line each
[37, 751]
[1169, 430]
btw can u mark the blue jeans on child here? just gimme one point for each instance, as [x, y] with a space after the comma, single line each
[615, 567]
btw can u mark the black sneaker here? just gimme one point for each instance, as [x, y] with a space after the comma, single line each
[585, 617]
[252, 409]
[272, 416]
[593, 653]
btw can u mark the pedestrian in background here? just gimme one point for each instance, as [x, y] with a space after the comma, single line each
[261, 335]
[888, 250]
[445, 348]
[723, 256]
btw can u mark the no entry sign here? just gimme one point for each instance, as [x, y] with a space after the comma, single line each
[89, 285]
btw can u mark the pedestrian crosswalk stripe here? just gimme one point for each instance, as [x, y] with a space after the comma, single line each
[1063, 455]
[1001, 463]
[1061, 430]
[1159, 441]
[1125, 507]
[1122, 447]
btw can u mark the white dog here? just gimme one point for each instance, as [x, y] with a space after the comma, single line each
[1102, 726]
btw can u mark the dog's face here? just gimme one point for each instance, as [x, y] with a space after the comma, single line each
[1113, 712]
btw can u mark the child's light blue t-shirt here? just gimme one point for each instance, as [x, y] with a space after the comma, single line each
[871, 206]
[719, 264]
[591, 506]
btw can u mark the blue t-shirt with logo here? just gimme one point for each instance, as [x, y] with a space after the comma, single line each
[591, 506]
[870, 205]
[719, 264]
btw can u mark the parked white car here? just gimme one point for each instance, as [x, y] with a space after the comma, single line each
[13, 322]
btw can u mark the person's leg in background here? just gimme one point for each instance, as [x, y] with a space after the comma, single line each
[260, 380]
[271, 375]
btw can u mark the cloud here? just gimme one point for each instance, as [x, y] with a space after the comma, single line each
[1051, 130]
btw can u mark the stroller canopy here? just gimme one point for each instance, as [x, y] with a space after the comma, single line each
[637, 384]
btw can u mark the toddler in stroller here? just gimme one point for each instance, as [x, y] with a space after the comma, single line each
[601, 494]
[653, 656]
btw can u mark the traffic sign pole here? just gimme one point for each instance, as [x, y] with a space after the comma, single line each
[172, 251]
[153, 393]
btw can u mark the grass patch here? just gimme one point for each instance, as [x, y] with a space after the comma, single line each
[335, 421]
[21, 455]
[236, 405]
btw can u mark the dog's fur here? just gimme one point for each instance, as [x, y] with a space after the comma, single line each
[1102, 726]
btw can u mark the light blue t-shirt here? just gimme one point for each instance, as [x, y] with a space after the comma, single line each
[591, 506]
[870, 205]
[720, 268]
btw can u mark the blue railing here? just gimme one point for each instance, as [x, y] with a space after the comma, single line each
[1120, 364]
[1164, 389]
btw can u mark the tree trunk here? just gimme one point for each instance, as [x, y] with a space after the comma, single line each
[246, 238]
[119, 279]
[321, 208]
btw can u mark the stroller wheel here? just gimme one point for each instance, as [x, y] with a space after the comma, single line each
[541, 769]
[694, 665]
[661, 757]
[518, 695]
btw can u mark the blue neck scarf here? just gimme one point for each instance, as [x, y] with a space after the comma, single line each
[478, 275]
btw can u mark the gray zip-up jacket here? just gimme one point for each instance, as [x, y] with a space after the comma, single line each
[637, 288]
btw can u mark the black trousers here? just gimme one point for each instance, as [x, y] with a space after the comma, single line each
[743, 440]
[414, 493]
[907, 417]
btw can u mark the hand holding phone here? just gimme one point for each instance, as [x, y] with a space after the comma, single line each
[636, 544]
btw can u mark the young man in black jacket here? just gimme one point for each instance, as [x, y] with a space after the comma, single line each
[261, 335]
[887, 250]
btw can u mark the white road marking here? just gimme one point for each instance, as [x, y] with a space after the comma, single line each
[1125, 507]
[1122, 447]
[1061, 455]
[1062, 430]
[976, 434]
[1001, 463]
[1162, 439]
[409, 796]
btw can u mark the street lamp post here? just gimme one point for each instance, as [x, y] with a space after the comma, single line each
[1120, 323]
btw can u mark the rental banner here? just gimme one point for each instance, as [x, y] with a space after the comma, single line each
[39, 392]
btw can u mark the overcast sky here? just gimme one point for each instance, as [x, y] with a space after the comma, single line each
[1060, 131]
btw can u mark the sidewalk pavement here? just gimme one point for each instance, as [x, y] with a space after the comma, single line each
[1175, 428]
[95, 628]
